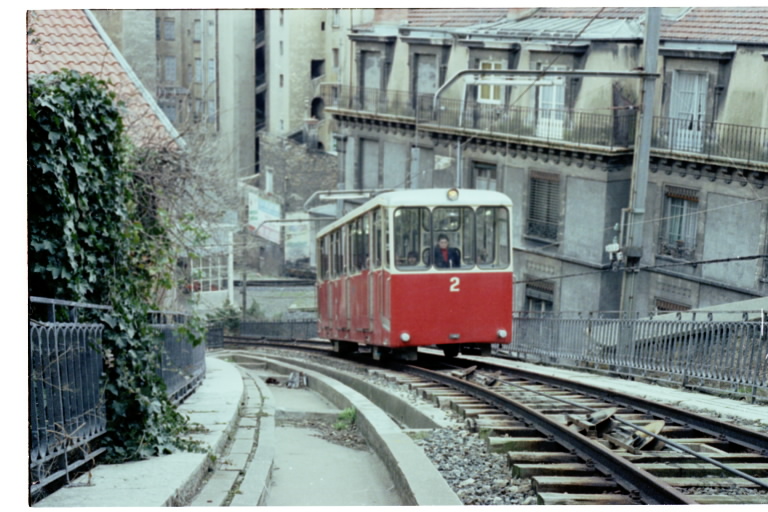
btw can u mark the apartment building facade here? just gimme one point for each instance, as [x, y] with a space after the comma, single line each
[439, 98]
[247, 85]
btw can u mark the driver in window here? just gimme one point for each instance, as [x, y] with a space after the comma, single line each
[446, 256]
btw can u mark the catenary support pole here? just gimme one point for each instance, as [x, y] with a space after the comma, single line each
[633, 244]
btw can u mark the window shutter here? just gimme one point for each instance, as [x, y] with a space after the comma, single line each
[544, 205]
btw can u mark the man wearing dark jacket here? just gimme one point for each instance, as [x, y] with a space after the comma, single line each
[444, 256]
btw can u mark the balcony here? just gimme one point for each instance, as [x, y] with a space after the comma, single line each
[568, 129]
[711, 141]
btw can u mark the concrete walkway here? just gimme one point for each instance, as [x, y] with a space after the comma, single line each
[253, 460]
[169, 480]
[331, 475]
[257, 460]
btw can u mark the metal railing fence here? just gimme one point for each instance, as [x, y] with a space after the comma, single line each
[66, 403]
[728, 357]
[182, 365]
[66, 398]
[716, 353]
[723, 140]
[612, 128]
[293, 330]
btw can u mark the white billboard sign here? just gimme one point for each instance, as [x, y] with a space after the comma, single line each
[260, 212]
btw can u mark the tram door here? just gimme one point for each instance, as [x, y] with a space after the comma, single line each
[359, 280]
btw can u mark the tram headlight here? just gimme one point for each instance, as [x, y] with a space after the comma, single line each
[453, 194]
[405, 337]
[501, 333]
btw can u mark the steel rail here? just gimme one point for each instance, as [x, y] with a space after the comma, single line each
[733, 433]
[635, 480]
[666, 440]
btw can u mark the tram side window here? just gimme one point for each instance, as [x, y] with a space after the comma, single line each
[457, 224]
[492, 241]
[386, 247]
[338, 253]
[360, 250]
[410, 226]
[324, 258]
[376, 245]
[365, 240]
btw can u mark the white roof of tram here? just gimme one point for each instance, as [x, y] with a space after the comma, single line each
[424, 197]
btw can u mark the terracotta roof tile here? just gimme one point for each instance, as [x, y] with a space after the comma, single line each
[66, 39]
[589, 12]
[727, 24]
[453, 17]
[731, 24]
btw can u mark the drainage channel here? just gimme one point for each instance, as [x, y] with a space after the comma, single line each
[296, 446]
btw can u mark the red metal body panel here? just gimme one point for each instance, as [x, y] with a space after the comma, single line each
[446, 307]
[434, 308]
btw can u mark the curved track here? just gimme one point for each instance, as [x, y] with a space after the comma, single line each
[607, 450]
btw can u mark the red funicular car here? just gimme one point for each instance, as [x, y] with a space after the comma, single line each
[415, 268]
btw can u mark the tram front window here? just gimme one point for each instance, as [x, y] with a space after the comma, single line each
[452, 245]
[492, 237]
[412, 229]
[451, 238]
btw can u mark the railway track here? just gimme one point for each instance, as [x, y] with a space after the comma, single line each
[578, 448]
[582, 445]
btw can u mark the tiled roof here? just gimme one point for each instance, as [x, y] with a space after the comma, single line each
[589, 12]
[67, 39]
[453, 17]
[724, 24]
[727, 24]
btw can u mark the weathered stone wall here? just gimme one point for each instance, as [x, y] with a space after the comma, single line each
[296, 172]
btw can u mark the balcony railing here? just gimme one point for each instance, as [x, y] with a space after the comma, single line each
[723, 140]
[613, 129]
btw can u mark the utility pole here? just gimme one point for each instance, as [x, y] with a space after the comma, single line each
[632, 230]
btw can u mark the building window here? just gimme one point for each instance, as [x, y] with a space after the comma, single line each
[540, 297]
[489, 93]
[169, 108]
[199, 70]
[211, 71]
[678, 227]
[484, 176]
[544, 206]
[281, 48]
[334, 146]
[550, 106]
[336, 23]
[426, 81]
[764, 277]
[663, 306]
[318, 68]
[335, 58]
[197, 31]
[687, 110]
[209, 273]
[169, 69]
[169, 29]
[211, 111]
[157, 29]
[282, 80]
